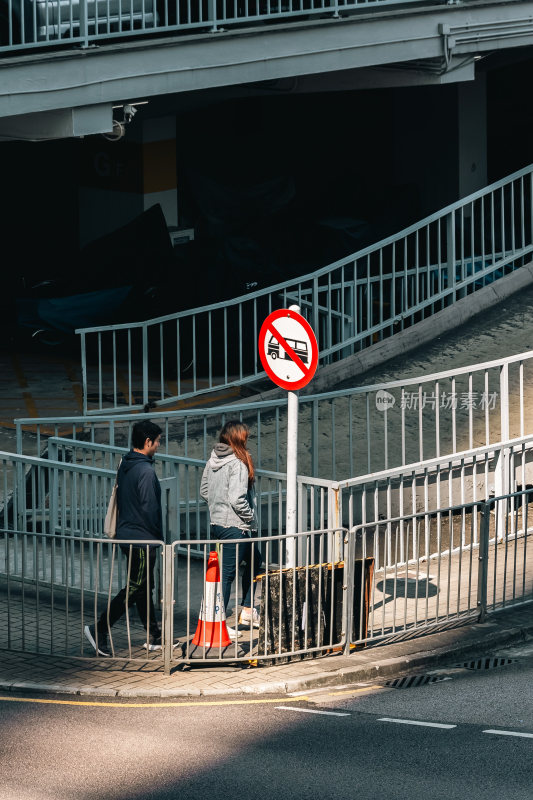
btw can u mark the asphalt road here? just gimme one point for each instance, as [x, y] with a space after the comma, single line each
[356, 741]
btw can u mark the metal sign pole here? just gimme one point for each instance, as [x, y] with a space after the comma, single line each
[292, 472]
[288, 350]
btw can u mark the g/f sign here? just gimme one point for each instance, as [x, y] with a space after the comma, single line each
[288, 349]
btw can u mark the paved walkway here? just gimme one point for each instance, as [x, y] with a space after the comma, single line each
[108, 678]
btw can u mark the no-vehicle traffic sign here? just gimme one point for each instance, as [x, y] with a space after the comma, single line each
[288, 349]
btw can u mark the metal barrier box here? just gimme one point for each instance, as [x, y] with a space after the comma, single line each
[302, 608]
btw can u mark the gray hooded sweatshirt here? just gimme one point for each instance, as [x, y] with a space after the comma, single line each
[225, 489]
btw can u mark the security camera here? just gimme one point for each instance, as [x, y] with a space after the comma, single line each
[129, 112]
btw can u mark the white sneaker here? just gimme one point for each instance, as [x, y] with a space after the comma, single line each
[246, 616]
[153, 645]
[90, 634]
[232, 633]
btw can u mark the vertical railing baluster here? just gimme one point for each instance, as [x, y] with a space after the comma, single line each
[161, 361]
[145, 364]
[450, 253]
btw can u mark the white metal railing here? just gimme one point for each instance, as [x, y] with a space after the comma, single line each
[49, 23]
[321, 605]
[342, 434]
[466, 477]
[350, 304]
[470, 572]
[471, 476]
[185, 514]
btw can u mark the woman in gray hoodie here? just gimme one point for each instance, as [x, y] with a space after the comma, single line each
[228, 488]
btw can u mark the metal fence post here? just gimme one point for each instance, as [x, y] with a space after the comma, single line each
[18, 427]
[450, 251]
[212, 15]
[314, 439]
[291, 503]
[53, 500]
[53, 450]
[168, 606]
[84, 373]
[501, 472]
[84, 23]
[53, 524]
[348, 589]
[483, 565]
[292, 484]
[145, 365]
[334, 523]
[315, 312]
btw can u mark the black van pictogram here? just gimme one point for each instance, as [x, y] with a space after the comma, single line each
[300, 348]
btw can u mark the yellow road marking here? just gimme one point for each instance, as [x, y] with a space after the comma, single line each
[186, 704]
[150, 705]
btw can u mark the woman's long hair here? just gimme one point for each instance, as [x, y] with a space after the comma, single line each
[236, 435]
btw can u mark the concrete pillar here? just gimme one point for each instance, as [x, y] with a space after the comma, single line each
[159, 166]
[472, 135]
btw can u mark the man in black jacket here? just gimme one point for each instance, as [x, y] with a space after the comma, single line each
[139, 519]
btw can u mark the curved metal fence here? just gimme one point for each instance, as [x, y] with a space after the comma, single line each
[320, 606]
[473, 475]
[351, 304]
[342, 434]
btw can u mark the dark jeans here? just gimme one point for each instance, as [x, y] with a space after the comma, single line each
[232, 555]
[135, 592]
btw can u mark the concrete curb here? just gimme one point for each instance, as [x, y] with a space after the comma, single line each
[373, 669]
[393, 667]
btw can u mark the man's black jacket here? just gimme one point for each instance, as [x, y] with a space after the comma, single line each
[139, 499]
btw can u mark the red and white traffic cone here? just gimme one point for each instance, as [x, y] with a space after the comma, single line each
[212, 630]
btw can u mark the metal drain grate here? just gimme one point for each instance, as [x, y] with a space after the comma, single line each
[414, 680]
[488, 663]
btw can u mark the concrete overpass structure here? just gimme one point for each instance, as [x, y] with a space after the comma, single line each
[71, 92]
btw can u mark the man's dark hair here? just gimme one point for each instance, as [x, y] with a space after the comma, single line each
[142, 431]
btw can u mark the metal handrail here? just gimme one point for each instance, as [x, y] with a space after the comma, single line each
[183, 504]
[372, 293]
[255, 405]
[452, 460]
[323, 271]
[477, 474]
[387, 439]
[51, 24]
[338, 599]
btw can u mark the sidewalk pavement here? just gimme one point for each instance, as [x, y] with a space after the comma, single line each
[25, 672]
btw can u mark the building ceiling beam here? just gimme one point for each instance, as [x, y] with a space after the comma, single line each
[153, 68]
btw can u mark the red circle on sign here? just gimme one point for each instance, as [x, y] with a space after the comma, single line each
[268, 327]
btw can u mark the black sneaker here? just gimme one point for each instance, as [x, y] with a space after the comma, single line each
[154, 642]
[90, 635]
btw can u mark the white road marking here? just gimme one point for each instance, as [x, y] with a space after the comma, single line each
[326, 689]
[512, 733]
[416, 722]
[312, 711]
